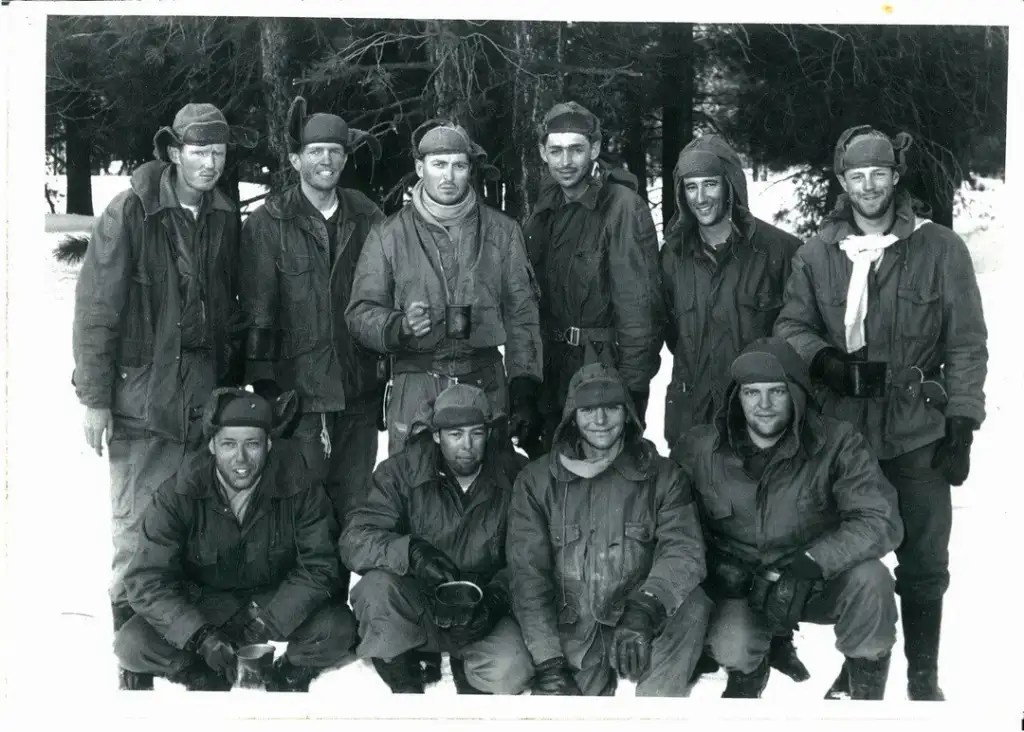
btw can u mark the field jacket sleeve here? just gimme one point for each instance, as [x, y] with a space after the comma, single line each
[376, 533]
[371, 315]
[258, 293]
[964, 333]
[520, 312]
[800, 321]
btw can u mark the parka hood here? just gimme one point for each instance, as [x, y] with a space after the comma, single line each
[806, 424]
[734, 176]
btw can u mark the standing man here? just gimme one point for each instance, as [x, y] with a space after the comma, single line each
[884, 306]
[606, 554]
[156, 324]
[237, 549]
[443, 283]
[298, 258]
[438, 512]
[724, 272]
[797, 516]
[592, 241]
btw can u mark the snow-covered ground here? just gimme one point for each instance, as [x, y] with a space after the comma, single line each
[58, 513]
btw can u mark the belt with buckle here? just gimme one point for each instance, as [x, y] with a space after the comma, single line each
[572, 335]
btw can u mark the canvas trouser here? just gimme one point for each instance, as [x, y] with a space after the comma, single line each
[141, 461]
[674, 652]
[410, 389]
[860, 603]
[393, 619]
[324, 640]
[926, 507]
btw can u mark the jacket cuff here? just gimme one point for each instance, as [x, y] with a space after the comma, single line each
[663, 593]
[184, 627]
[394, 339]
[261, 344]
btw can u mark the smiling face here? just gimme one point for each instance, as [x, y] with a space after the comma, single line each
[445, 176]
[706, 198]
[569, 157]
[320, 164]
[463, 448]
[240, 454]
[601, 427]
[768, 409]
[871, 190]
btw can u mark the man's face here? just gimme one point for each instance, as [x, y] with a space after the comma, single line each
[706, 198]
[240, 454]
[199, 166]
[601, 426]
[463, 448]
[767, 407]
[320, 164]
[445, 176]
[870, 190]
[569, 157]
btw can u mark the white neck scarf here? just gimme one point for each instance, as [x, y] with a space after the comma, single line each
[865, 252]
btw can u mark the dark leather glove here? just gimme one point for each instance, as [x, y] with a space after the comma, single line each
[631, 640]
[953, 456]
[492, 608]
[555, 677]
[829, 367]
[524, 420]
[782, 601]
[216, 650]
[640, 399]
[803, 567]
[429, 565]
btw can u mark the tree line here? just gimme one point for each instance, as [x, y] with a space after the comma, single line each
[781, 94]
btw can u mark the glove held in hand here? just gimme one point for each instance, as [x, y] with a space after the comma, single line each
[953, 454]
[430, 565]
[632, 638]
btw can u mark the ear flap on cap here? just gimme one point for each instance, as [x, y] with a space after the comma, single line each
[901, 143]
[286, 409]
[296, 116]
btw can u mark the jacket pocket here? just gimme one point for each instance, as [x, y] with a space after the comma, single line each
[758, 313]
[569, 550]
[637, 551]
[298, 305]
[140, 318]
[919, 314]
[131, 392]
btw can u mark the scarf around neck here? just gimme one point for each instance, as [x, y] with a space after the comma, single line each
[439, 213]
[589, 467]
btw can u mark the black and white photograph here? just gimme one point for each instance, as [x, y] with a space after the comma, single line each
[357, 354]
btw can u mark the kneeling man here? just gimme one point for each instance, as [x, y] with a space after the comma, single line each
[606, 553]
[797, 515]
[437, 512]
[236, 550]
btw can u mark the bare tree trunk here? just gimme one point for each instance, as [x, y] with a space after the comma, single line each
[276, 94]
[446, 55]
[78, 158]
[677, 115]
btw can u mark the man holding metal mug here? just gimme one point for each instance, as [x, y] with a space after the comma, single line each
[430, 544]
[443, 283]
[884, 305]
[797, 515]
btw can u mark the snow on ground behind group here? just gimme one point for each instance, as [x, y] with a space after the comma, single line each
[59, 540]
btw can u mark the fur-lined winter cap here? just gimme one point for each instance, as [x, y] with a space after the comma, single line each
[571, 117]
[461, 405]
[322, 128]
[194, 124]
[230, 407]
[863, 146]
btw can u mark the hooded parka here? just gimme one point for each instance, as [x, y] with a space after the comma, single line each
[579, 546]
[924, 319]
[822, 491]
[714, 311]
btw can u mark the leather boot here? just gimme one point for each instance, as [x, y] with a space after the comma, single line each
[840, 688]
[402, 674]
[747, 686]
[132, 681]
[922, 623]
[867, 677]
[429, 664]
[197, 676]
[462, 684]
[705, 665]
[782, 656]
[286, 676]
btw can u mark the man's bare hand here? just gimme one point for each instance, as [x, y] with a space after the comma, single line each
[97, 422]
[417, 319]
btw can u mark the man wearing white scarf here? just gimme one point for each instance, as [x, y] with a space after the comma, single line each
[884, 306]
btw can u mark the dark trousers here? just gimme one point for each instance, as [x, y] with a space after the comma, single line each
[860, 603]
[926, 508]
[322, 641]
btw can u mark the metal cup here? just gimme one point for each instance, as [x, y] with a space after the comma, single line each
[457, 321]
[456, 601]
[866, 379]
[254, 664]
